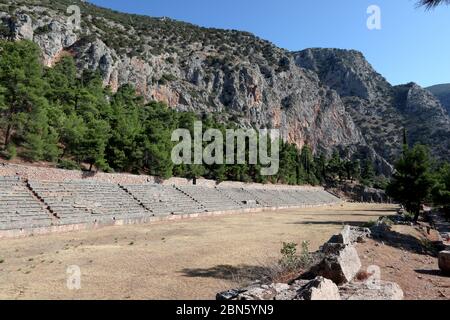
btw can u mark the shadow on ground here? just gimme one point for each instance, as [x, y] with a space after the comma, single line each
[406, 242]
[436, 273]
[376, 215]
[241, 273]
[337, 223]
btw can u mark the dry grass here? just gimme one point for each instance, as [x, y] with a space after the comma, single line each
[190, 259]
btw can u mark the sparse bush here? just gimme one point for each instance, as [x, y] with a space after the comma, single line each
[369, 224]
[42, 29]
[408, 216]
[387, 221]
[11, 152]
[428, 247]
[290, 261]
[68, 164]
[305, 256]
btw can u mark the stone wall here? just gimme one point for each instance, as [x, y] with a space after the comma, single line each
[54, 174]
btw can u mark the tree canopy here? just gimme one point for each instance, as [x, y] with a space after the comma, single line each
[413, 179]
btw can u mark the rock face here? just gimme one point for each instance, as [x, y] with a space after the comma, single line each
[359, 193]
[379, 109]
[20, 27]
[328, 99]
[319, 289]
[444, 261]
[442, 92]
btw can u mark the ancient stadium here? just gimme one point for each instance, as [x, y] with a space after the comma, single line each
[35, 206]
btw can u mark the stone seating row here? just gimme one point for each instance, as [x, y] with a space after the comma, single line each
[43, 203]
[19, 208]
[87, 201]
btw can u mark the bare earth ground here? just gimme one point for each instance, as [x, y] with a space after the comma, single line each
[403, 258]
[190, 259]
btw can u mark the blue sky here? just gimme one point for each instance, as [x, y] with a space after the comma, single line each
[412, 45]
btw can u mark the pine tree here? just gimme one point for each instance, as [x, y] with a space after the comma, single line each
[367, 173]
[22, 84]
[441, 191]
[412, 181]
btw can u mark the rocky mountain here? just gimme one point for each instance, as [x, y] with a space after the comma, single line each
[442, 92]
[380, 110]
[328, 98]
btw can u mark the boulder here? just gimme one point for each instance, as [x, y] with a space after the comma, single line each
[444, 261]
[340, 264]
[292, 291]
[228, 295]
[319, 289]
[381, 290]
[256, 292]
[350, 235]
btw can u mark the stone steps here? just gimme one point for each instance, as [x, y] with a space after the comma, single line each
[19, 208]
[46, 203]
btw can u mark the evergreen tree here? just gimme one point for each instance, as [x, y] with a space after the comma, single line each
[125, 148]
[367, 173]
[441, 191]
[335, 167]
[412, 181]
[22, 84]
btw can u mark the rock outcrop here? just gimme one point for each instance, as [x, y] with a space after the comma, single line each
[359, 193]
[442, 92]
[379, 109]
[444, 261]
[333, 278]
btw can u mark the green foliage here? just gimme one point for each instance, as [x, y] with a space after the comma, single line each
[21, 85]
[367, 173]
[441, 191]
[290, 261]
[68, 164]
[369, 224]
[413, 180]
[11, 151]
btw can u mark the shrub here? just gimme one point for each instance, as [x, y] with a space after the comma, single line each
[369, 224]
[11, 152]
[68, 164]
[305, 256]
[289, 258]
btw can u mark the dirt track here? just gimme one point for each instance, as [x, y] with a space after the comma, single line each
[191, 259]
